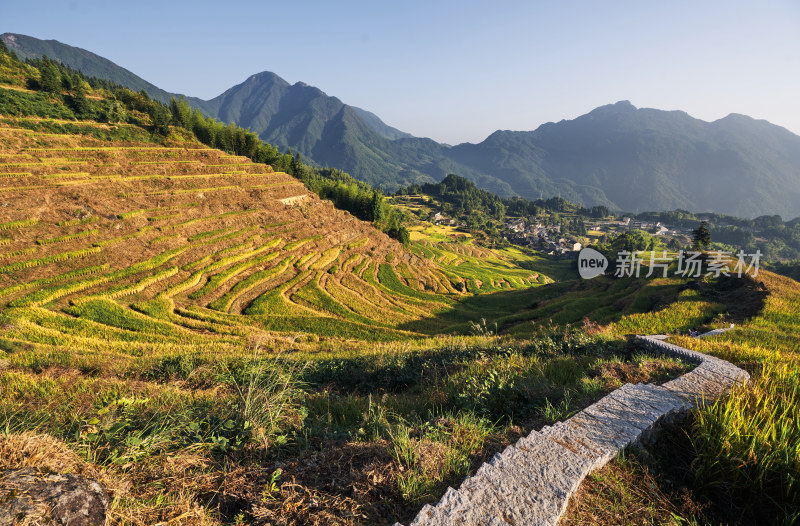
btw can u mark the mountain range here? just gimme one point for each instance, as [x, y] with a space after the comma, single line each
[620, 156]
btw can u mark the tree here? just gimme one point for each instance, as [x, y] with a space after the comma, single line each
[403, 235]
[701, 236]
[580, 227]
[181, 113]
[296, 166]
[378, 212]
[50, 79]
[5, 51]
[116, 112]
[633, 241]
[79, 104]
[160, 117]
[674, 245]
[765, 222]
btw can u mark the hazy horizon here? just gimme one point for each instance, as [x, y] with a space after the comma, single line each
[456, 72]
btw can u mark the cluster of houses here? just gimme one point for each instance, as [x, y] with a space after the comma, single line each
[545, 238]
[626, 223]
[439, 218]
[548, 239]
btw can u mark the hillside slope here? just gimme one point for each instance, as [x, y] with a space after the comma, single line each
[184, 239]
[89, 64]
[297, 116]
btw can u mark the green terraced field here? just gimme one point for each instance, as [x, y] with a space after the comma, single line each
[136, 236]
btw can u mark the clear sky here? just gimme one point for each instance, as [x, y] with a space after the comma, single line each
[454, 71]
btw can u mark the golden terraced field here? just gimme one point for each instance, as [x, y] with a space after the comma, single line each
[133, 247]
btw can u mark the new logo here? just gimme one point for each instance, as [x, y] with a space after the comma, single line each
[591, 263]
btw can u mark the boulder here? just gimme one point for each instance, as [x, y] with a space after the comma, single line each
[30, 496]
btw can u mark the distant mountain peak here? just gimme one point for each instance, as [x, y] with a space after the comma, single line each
[266, 75]
[737, 117]
[623, 106]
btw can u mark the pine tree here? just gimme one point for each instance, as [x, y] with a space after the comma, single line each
[79, 104]
[701, 236]
[50, 79]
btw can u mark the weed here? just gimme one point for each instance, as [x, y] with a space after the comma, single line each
[481, 329]
[558, 412]
[267, 396]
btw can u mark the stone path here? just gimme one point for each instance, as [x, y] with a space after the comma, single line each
[530, 483]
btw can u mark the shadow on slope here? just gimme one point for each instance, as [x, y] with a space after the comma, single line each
[603, 301]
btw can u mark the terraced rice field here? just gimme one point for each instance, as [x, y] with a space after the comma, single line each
[134, 247]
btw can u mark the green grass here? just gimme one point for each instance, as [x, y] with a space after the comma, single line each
[252, 259]
[253, 280]
[55, 258]
[123, 360]
[315, 297]
[72, 222]
[13, 225]
[294, 245]
[47, 294]
[67, 237]
[107, 312]
[747, 444]
[389, 280]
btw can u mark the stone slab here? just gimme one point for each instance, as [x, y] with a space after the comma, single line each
[619, 417]
[577, 440]
[690, 387]
[599, 432]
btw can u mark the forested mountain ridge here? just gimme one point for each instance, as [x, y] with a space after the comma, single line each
[88, 63]
[647, 159]
[616, 155]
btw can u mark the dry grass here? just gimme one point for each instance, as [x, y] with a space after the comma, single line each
[627, 492]
[31, 450]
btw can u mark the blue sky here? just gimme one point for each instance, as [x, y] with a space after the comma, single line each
[455, 71]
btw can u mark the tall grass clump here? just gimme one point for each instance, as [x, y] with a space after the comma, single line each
[437, 453]
[268, 396]
[749, 443]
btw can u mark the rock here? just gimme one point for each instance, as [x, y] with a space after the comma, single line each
[30, 496]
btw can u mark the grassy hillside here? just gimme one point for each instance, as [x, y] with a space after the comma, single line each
[178, 321]
[190, 226]
[88, 63]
